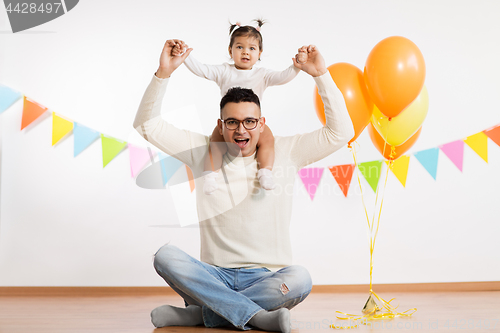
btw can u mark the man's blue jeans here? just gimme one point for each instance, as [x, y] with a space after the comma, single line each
[231, 295]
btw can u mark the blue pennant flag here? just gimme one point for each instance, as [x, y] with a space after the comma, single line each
[84, 136]
[7, 97]
[429, 160]
[169, 166]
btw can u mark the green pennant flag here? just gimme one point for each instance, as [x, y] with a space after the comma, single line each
[371, 171]
[110, 148]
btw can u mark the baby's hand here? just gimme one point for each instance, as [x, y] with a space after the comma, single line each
[302, 56]
[179, 48]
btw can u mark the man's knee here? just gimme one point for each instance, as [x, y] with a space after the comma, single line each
[299, 277]
[164, 256]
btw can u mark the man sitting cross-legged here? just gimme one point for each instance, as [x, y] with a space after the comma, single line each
[245, 277]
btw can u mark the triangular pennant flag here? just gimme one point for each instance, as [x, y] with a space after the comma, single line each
[139, 157]
[429, 160]
[455, 152]
[310, 178]
[371, 171]
[83, 137]
[191, 178]
[31, 111]
[399, 168]
[169, 166]
[494, 134]
[110, 148]
[60, 128]
[343, 176]
[479, 143]
[7, 97]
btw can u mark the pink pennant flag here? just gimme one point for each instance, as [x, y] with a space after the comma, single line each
[455, 152]
[311, 177]
[139, 157]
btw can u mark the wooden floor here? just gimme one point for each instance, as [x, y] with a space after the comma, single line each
[437, 312]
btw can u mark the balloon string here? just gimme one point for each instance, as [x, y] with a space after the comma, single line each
[375, 313]
[374, 237]
[353, 150]
[377, 191]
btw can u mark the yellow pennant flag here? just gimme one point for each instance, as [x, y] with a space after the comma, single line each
[60, 128]
[400, 168]
[479, 143]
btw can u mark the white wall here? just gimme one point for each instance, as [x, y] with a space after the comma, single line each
[67, 222]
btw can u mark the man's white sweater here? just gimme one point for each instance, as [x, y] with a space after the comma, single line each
[242, 225]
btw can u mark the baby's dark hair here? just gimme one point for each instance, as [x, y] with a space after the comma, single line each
[235, 30]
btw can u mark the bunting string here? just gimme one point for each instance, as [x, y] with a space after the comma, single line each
[112, 147]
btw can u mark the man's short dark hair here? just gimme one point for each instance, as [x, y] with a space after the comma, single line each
[238, 95]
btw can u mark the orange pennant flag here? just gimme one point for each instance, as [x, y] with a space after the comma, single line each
[494, 134]
[343, 176]
[191, 178]
[31, 111]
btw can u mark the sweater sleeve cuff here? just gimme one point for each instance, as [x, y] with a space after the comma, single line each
[323, 81]
[160, 81]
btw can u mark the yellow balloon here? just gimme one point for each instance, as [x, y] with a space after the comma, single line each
[398, 129]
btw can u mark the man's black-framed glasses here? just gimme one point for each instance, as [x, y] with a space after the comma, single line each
[232, 124]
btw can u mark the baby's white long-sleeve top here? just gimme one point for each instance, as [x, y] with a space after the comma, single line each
[228, 76]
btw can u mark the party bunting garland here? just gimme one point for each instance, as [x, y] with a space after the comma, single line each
[31, 112]
[111, 147]
[83, 137]
[60, 128]
[191, 178]
[139, 157]
[399, 168]
[429, 160]
[479, 143]
[371, 171]
[343, 176]
[169, 166]
[455, 152]
[310, 177]
[8, 97]
[494, 134]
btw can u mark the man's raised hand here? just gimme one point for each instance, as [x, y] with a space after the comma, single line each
[172, 57]
[315, 64]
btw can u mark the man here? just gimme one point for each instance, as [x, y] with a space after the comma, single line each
[245, 277]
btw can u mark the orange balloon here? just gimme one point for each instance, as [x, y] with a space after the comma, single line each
[394, 74]
[379, 143]
[349, 79]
